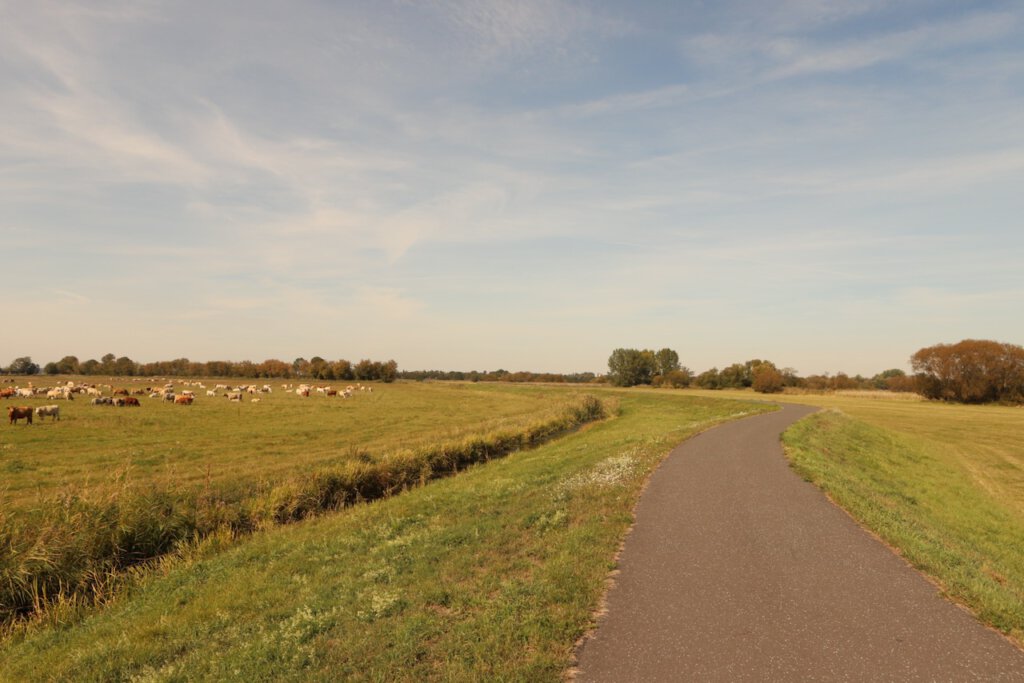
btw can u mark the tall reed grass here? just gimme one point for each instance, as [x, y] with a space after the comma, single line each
[72, 550]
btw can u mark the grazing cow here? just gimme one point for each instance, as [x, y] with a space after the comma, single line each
[211, 392]
[183, 400]
[7, 393]
[170, 397]
[131, 401]
[17, 413]
[234, 396]
[120, 392]
[332, 392]
[120, 401]
[48, 411]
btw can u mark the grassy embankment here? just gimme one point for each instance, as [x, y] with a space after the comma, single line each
[490, 575]
[72, 549]
[942, 483]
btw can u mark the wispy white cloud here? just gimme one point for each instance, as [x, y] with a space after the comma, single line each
[347, 170]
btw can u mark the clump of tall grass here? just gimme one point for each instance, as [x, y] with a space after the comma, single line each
[71, 551]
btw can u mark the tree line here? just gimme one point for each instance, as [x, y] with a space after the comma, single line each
[971, 371]
[316, 368]
[499, 375]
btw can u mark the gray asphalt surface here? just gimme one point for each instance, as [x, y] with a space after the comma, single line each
[739, 570]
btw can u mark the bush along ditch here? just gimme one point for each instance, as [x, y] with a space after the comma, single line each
[72, 551]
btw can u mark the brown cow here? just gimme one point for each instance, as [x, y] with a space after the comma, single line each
[16, 413]
[7, 393]
[131, 401]
[183, 400]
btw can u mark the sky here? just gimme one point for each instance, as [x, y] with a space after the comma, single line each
[489, 184]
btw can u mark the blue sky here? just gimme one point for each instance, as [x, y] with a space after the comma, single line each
[525, 185]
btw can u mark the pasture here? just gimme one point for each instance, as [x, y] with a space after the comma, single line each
[489, 575]
[217, 442]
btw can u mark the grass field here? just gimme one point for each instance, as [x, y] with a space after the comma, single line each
[942, 483]
[70, 547]
[216, 441]
[493, 574]
[489, 575]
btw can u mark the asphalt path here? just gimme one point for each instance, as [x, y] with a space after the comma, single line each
[737, 569]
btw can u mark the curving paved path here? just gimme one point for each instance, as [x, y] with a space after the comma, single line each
[737, 569]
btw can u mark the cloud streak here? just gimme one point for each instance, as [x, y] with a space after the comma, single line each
[571, 177]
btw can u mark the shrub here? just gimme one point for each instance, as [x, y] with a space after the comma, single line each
[768, 380]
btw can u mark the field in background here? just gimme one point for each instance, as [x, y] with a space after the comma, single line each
[942, 483]
[490, 575]
[217, 441]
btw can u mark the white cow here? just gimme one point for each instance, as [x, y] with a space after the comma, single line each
[48, 411]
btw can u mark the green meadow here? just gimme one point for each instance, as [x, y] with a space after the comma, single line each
[492, 574]
[220, 442]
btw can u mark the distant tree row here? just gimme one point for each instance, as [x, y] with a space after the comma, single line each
[497, 376]
[630, 367]
[300, 368]
[761, 375]
[971, 371]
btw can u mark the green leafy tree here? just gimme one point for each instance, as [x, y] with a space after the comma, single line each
[69, 365]
[667, 361]
[629, 367]
[125, 366]
[883, 379]
[23, 366]
[317, 367]
[107, 364]
[709, 379]
[736, 376]
[389, 371]
[364, 370]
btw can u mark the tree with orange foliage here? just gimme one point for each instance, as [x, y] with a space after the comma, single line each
[972, 371]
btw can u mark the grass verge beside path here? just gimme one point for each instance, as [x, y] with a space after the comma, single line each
[914, 482]
[490, 575]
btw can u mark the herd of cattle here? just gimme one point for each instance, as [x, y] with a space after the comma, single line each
[121, 397]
